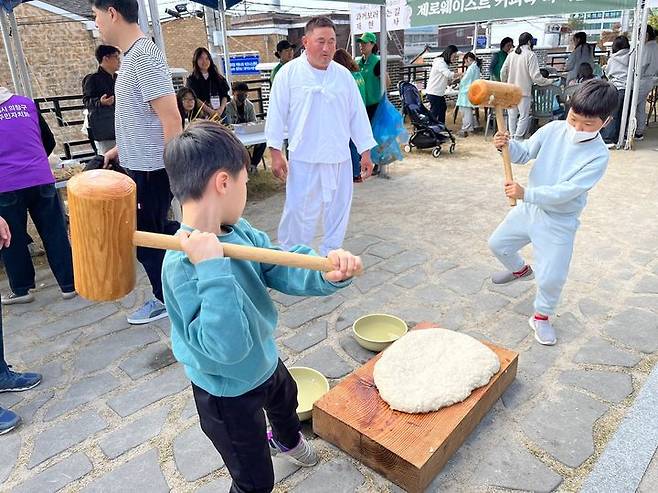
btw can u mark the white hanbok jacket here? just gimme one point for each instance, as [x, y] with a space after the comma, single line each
[321, 110]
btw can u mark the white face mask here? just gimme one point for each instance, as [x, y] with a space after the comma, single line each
[578, 136]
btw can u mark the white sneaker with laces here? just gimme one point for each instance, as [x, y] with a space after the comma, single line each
[14, 299]
[150, 311]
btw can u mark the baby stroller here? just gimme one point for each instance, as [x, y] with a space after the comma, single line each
[428, 132]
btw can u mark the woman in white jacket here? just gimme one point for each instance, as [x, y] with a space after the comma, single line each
[617, 73]
[440, 78]
[522, 69]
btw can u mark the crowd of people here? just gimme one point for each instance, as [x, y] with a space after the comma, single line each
[172, 144]
[519, 65]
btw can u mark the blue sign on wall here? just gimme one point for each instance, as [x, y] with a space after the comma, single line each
[244, 64]
[481, 41]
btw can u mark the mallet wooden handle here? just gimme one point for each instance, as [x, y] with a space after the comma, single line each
[241, 252]
[507, 163]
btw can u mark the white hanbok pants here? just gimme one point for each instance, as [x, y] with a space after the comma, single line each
[552, 239]
[311, 189]
[519, 118]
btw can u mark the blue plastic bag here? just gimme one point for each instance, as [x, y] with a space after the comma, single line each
[389, 132]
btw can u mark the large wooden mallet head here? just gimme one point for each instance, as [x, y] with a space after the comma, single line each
[499, 95]
[496, 94]
[103, 212]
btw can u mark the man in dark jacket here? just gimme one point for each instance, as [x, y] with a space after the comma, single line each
[98, 97]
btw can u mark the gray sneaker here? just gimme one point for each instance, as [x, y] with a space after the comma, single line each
[544, 331]
[14, 299]
[150, 311]
[506, 276]
[302, 455]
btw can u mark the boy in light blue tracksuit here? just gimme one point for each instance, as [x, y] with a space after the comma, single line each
[222, 316]
[570, 158]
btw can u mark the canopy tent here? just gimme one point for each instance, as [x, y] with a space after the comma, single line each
[449, 12]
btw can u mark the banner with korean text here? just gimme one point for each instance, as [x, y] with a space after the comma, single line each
[446, 12]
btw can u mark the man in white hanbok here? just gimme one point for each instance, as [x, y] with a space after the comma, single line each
[318, 102]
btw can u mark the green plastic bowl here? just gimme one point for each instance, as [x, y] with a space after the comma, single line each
[377, 331]
[311, 385]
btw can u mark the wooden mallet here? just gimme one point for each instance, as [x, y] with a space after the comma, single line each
[102, 209]
[500, 96]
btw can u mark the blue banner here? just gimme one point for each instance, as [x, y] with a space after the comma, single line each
[244, 64]
[9, 5]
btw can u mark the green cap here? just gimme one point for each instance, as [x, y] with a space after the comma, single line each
[367, 38]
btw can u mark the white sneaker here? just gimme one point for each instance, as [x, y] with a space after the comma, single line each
[544, 331]
[14, 299]
[302, 455]
[69, 295]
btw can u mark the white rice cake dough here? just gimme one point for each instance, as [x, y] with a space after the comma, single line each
[428, 369]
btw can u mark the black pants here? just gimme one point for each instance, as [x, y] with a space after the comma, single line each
[236, 426]
[610, 133]
[153, 202]
[257, 152]
[371, 110]
[45, 209]
[438, 107]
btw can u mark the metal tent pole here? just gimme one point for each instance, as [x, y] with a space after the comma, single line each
[227, 53]
[155, 25]
[143, 17]
[22, 63]
[632, 125]
[4, 27]
[625, 121]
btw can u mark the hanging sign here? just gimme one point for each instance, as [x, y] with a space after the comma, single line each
[365, 18]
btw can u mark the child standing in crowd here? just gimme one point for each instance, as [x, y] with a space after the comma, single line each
[222, 316]
[188, 106]
[570, 158]
[585, 73]
[472, 64]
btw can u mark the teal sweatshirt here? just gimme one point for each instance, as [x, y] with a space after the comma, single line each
[563, 172]
[222, 316]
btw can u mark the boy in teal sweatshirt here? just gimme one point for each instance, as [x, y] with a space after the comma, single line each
[570, 158]
[222, 317]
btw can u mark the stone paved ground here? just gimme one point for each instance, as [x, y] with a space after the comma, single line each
[115, 413]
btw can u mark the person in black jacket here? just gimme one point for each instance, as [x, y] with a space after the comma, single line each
[207, 83]
[98, 97]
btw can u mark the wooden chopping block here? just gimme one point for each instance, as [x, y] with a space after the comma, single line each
[407, 449]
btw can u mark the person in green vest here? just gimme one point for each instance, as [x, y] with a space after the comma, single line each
[284, 52]
[499, 58]
[369, 64]
[343, 58]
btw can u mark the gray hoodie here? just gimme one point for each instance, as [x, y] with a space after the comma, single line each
[582, 54]
[617, 68]
[650, 60]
